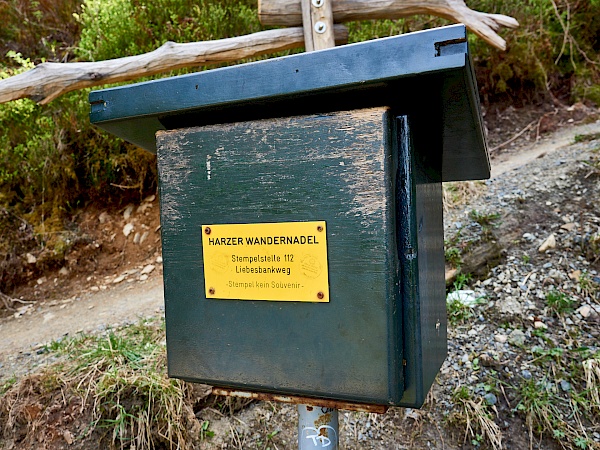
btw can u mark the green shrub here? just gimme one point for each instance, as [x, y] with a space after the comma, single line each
[52, 161]
[541, 55]
[551, 50]
[116, 28]
[39, 29]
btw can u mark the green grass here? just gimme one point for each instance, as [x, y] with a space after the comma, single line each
[486, 220]
[7, 384]
[560, 302]
[459, 313]
[204, 430]
[453, 256]
[546, 408]
[588, 287]
[562, 400]
[586, 137]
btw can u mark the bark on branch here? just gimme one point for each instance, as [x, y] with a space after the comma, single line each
[47, 81]
[484, 25]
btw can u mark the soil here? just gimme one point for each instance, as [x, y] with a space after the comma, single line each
[114, 277]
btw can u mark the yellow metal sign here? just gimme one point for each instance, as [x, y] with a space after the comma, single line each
[266, 261]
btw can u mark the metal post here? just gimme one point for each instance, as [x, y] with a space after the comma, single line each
[317, 428]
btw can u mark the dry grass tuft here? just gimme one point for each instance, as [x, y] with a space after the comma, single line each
[477, 419]
[110, 389]
[458, 193]
[591, 368]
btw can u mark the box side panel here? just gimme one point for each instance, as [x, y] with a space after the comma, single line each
[328, 167]
[432, 287]
[429, 174]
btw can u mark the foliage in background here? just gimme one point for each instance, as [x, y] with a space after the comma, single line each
[38, 29]
[52, 161]
[554, 52]
[117, 28]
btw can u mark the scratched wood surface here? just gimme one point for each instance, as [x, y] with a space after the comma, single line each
[382, 336]
[335, 167]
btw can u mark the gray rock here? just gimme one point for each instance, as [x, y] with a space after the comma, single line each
[501, 338]
[548, 244]
[128, 212]
[565, 385]
[585, 311]
[127, 229]
[516, 338]
[490, 399]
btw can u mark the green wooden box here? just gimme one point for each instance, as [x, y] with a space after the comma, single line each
[357, 138]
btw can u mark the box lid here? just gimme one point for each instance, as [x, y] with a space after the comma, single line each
[426, 74]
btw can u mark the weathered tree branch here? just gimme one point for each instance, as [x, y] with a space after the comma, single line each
[47, 81]
[289, 13]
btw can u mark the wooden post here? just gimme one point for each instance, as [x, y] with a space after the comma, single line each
[317, 20]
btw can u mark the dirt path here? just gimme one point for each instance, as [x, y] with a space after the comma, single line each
[88, 312]
[504, 162]
[23, 336]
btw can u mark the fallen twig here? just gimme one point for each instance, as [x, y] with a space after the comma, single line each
[10, 301]
[515, 137]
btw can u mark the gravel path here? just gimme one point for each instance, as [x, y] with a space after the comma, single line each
[25, 333]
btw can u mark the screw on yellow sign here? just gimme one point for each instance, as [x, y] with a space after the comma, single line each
[266, 261]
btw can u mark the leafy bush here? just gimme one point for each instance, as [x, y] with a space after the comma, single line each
[116, 28]
[48, 151]
[52, 161]
[39, 29]
[554, 50]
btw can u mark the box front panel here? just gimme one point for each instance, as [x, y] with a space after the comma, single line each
[335, 168]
